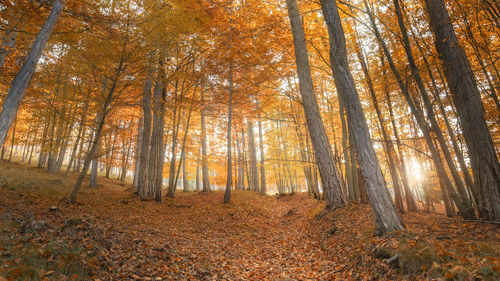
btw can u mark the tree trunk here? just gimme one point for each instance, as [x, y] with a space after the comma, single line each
[424, 127]
[411, 204]
[430, 114]
[458, 152]
[389, 147]
[241, 180]
[328, 170]
[229, 177]
[147, 117]
[78, 139]
[243, 161]
[138, 148]
[263, 188]
[198, 183]
[459, 76]
[157, 155]
[346, 152]
[253, 184]
[93, 173]
[204, 152]
[386, 217]
[173, 175]
[185, 182]
[95, 141]
[171, 192]
[12, 141]
[95, 162]
[123, 174]
[78, 160]
[20, 83]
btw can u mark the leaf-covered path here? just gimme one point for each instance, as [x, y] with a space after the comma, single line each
[194, 236]
[112, 235]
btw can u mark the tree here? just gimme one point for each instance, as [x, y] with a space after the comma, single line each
[22, 80]
[263, 187]
[386, 217]
[465, 93]
[229, 181]
[323, 151]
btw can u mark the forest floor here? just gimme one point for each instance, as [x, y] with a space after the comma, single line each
[112, 235]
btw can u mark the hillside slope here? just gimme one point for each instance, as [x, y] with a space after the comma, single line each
[112, 235]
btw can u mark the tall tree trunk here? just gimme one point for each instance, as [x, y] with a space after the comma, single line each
[347, 153]
[458, 152]
[185, 181]
[95, 162]
[111, 153]
[147, 117]
[204, 152]
[12, 140]
[94, 146]
[241, 180]
[411, 204]
[243, 160]
[177, 112]
[263, 188]
[20, 83]
[389, 147]
[123, 174]
[229, 177]
[424, 127]
[93, 172]
[253, 184]
[78, 139]
[46, 128]
[459, 76]
[80, 153]
[198, 183]
[430, 114]
[328, 170]
[472, 41]
[31, 152]
[386, 217]
[157, 155]
[171, 192]
[138, 150]
[308, 169]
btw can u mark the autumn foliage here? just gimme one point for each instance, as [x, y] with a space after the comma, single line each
[304, 112]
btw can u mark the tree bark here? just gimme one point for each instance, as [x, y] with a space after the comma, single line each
[389, 147]
[244, 162]
[138, 150]
[263, 187]
[253, 184]
[78, 139]
[204, 152]
[156, 154]
[229, 177]
[22, 80]
[430, 113]
[328, 170]
[424, 127]
[411, 204]
[465, 93]
[386, 217]
[198, 182]
[142, 180]
[95, 141]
